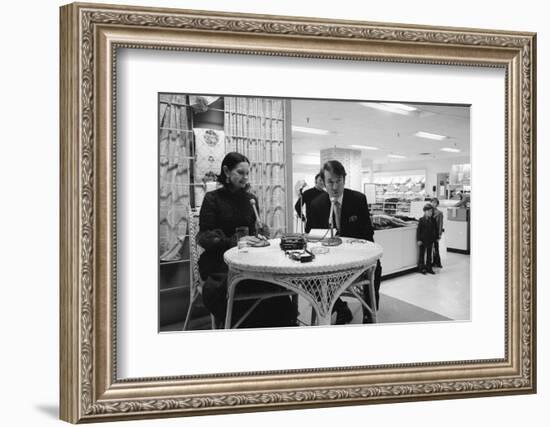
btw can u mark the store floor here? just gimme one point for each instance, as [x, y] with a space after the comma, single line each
[414, 297]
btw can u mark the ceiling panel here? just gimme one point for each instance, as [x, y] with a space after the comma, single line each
[351, 123]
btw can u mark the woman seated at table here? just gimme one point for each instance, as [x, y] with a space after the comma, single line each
[222, 211]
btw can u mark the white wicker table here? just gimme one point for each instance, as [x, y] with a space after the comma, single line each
[320, 282]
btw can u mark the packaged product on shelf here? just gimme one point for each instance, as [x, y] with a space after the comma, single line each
[209, 152]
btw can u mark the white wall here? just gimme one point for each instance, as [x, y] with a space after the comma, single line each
[350, 159]
[29, 215]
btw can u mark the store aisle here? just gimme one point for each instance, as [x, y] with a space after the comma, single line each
[446, 293]
[414, 297]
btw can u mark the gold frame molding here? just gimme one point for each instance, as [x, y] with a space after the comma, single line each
[90, 36]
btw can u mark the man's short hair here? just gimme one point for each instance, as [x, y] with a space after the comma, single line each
[335, 168]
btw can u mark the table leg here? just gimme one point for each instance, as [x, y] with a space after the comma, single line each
[372, 293]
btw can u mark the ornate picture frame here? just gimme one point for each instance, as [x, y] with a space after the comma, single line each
[90, 37]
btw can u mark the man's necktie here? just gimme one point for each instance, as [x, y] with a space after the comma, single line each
[337, 214]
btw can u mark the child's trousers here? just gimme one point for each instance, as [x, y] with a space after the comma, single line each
[425, 256]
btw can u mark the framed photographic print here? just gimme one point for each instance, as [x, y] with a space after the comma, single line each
[267, 212]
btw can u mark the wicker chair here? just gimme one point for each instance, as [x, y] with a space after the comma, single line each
[197, 284]
[195, 288]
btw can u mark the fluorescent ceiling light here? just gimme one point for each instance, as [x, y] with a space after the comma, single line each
[428, 135]
[312, 131]
[396, 156]
[450, 150]
[390, 107]
[364, 147]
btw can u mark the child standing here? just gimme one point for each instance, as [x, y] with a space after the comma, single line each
[426, 235]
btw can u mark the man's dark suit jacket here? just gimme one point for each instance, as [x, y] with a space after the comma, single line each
[355, 223]
[307, 197]
[354, 217]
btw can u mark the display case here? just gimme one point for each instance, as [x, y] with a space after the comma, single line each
[457, 229]
[459, 179]
[395, 191]
[401, 249]
[391, 208]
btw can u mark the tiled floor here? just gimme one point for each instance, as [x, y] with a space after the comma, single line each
[415, 297]
[446, 293]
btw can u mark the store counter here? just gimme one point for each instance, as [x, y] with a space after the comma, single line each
[457, 229]
[401, 249]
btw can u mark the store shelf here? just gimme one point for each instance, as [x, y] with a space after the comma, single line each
[175, 275]
[401, 207]
[178, 261]
[174, 288]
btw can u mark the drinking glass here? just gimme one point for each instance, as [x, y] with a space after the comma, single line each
[241, 244]
[241, 232]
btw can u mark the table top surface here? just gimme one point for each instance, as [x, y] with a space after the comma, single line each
[352, 253]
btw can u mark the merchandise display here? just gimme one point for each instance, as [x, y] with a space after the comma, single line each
[394, 193]
[401, 187]
[400, 198]
[382, 221]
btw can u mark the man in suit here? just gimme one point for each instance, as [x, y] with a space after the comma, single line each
[307, 197]
[351, 218]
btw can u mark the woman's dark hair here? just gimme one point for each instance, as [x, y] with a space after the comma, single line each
[231, 160]
[436, 200]
[335, 168]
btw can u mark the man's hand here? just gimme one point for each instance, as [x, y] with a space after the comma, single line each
[419, 243]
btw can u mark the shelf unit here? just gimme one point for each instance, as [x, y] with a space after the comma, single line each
[254, 127]
[391, 208]
[176, 194]
[403, 204]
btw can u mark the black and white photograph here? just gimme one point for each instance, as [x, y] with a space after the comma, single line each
[278, 212]
[262, 211]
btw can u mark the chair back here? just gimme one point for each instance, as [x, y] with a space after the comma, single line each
[194, 251]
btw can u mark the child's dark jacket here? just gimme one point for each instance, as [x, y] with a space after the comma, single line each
[426, 231]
